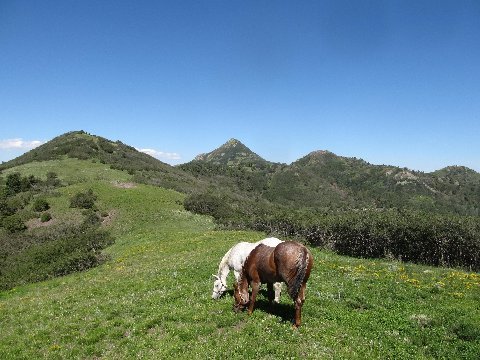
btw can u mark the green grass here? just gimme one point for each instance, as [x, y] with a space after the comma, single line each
[71, 171]
[152, 299]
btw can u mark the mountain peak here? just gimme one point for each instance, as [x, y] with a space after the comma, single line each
[233, 142]
[232, 153]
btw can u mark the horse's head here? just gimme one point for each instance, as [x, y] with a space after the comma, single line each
[218, 287]
[241, 296]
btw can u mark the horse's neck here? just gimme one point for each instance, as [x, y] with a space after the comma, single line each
[223, 267]
[243, 282]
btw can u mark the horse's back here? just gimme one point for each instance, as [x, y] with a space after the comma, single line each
[272, 242]
[260, 265]
[239, 253]
[289, 255]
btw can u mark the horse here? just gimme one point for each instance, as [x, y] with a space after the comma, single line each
[234, 259]
[289, 262]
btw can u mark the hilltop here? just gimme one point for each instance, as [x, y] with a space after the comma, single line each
[232, 153]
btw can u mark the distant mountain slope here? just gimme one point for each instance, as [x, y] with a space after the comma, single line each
[320, 180]
[324, 180]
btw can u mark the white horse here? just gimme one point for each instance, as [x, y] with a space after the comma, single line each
[234, 259]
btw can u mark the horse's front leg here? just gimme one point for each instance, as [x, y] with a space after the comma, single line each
[278, 289]
[255, 287]
[237, 275]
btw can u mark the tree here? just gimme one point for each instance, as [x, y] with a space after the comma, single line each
[14, 183]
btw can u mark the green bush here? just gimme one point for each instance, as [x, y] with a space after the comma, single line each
[91, 218]
[52, 179]
[56, 252]
[45, 217]
[40, 205]
[413, 236]
[16, 183]
[6, 208]
[13, 223]
[208, 204]
[83, 200]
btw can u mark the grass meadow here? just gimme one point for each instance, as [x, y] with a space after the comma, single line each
[152, 298]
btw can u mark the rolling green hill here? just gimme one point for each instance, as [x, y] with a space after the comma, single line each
[320, 180]
[151, 298]
[83, 146]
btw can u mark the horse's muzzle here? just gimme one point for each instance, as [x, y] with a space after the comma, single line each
[238, 307]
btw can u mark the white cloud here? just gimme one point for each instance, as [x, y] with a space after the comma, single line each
[19, 144]
[161, 155]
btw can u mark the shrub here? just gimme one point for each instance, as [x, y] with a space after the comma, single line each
[52, 179]
[439, 240]
[13, 223]
[16, 183]
[5, 208]
[55, 252]
[45, 217]
[208, 204]
[40, 205]
[83, 200]
[91, 218]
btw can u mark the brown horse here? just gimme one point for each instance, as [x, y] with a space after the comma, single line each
[289, 262]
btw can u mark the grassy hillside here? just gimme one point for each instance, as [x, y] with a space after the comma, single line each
[152, 298]
[115, 155]
[84, 146]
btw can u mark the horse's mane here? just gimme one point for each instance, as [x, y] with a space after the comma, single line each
[223, 264]
[225, 258]
[243, 277]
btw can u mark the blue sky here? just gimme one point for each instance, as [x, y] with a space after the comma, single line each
[392, 82]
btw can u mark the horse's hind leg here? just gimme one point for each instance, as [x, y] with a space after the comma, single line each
[301, 293]
[298, 305]
[255, 287]
[298, 311]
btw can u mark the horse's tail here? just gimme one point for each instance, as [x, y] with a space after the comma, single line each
[297, 278]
